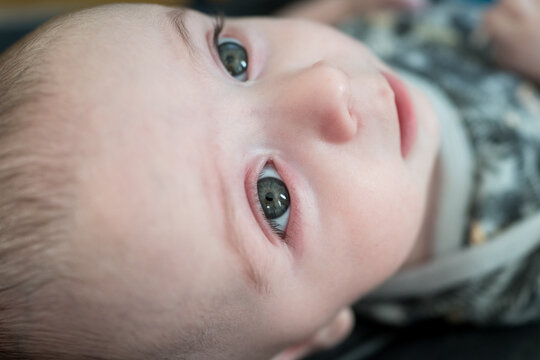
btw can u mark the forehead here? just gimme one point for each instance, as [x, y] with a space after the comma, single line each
[147, 164]
[127, 64]
[126, 35]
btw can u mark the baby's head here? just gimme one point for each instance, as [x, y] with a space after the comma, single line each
[170, 191]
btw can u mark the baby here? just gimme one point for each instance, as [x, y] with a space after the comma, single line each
[176, 186]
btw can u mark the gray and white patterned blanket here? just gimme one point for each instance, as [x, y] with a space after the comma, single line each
[500, 112]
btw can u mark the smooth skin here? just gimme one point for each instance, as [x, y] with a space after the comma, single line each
[514, 28]
[171, 236]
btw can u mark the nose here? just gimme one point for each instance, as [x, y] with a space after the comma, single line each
[317, 98]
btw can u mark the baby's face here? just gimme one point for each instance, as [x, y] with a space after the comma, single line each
[174, 143]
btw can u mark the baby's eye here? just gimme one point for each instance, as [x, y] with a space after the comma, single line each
[274, 199]
[234, 58]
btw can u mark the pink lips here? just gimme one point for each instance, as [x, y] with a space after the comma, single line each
[405, 110]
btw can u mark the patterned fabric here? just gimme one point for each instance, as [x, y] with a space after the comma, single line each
[501, 115]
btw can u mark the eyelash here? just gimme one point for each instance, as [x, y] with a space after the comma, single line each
[283, 235]
[219, 24]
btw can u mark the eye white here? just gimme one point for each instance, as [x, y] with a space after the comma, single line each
[269, 171]
[224, 40]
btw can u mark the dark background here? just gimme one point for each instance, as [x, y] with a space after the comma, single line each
[12, 29]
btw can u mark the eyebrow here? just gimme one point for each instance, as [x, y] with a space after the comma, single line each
[234, 238]
[176, 17]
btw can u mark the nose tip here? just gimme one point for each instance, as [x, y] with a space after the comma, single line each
[314, 100]
[331, 101]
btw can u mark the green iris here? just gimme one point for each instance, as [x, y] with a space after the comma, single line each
[235, 59]
[273, 196]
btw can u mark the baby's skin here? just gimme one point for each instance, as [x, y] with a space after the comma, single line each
[186, 133]
[514, 28]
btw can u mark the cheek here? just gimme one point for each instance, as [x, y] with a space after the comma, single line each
[369, 230]
[363, 235]
[389, 223]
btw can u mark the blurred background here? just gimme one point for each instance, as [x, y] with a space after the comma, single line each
[18, 17]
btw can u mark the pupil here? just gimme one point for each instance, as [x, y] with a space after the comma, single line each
[273, 197]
